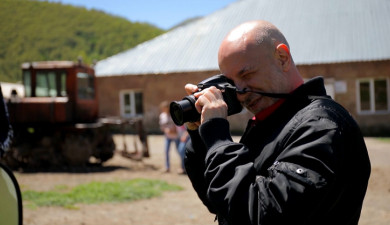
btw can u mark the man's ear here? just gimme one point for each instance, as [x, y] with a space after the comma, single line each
[283, 54]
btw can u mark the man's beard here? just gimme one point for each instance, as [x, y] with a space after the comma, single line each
[253, 100]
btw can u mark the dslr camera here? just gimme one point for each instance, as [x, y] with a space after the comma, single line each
[184, 111]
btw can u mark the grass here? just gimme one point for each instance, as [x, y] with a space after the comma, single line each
[98, 192]
[384, 139]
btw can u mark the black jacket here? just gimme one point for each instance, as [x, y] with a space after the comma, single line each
[307, 163]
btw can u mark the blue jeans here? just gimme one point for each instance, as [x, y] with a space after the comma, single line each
[168, 142]
[182, 152]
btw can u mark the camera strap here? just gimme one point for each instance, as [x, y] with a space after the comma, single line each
[272, 95]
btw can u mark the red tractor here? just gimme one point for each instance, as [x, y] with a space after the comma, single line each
[56, 123]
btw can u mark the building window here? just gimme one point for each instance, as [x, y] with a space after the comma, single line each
[373, 95]
[131, 103]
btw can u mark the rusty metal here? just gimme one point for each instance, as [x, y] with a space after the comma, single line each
[135, 126]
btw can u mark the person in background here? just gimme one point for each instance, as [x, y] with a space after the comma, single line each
[184, 138]
[6, 132]
[170, 131]
[302, 158]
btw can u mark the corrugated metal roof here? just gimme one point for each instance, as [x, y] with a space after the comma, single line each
[318, 31]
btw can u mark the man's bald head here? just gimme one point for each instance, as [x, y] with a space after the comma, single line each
[260, 33]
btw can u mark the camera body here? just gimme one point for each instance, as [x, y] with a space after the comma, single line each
[184, 111]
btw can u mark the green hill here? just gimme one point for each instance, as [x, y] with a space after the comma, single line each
[38, 31]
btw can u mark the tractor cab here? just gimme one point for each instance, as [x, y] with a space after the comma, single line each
[56, 92]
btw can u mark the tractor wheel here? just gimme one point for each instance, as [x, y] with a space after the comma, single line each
[76, 150]
[105, 148]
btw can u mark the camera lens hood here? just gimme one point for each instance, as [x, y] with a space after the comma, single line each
[184, 111]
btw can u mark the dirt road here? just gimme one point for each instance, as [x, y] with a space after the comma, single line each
[174, 208]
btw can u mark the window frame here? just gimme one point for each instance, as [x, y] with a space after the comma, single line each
[48, 83]
[371, 82]
[85, 86]
[133, 112]
[27, 80]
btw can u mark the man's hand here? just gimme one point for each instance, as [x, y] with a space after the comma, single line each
[209, 104]
[190, 89]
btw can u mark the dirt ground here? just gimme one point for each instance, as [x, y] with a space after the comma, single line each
[173, 208]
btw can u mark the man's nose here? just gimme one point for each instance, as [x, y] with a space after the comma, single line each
[240, 86]
[240, 92]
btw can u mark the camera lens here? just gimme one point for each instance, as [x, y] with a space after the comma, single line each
[184, 111]
[177, 113]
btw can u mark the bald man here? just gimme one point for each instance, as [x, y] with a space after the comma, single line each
[302, 159]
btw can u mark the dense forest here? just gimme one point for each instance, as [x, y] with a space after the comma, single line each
[32, 30]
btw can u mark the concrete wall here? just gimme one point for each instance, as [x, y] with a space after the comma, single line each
[156, 88]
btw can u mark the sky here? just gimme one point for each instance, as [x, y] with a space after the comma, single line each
[161, 13]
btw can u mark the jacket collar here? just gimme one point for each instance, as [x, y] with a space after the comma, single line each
[312, 87]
